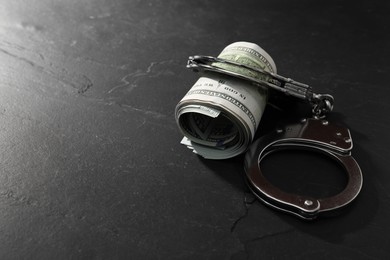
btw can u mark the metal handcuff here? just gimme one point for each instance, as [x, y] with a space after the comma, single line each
[316, 134]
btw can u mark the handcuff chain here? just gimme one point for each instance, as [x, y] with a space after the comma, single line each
[321, 103]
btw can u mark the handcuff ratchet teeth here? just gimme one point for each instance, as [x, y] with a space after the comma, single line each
[316, 134]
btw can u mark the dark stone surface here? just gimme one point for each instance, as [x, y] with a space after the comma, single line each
[91, 165]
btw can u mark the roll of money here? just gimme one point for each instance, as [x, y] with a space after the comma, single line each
[220, 114]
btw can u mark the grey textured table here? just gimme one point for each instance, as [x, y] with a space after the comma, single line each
[91, 166]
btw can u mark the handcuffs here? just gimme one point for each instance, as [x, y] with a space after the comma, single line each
[316, 134]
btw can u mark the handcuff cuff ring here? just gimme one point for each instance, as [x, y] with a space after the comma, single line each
[316, 135]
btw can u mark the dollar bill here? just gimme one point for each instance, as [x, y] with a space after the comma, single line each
[247, 54]
[220, 114]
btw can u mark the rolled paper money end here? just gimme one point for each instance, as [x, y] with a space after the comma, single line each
[220, 114]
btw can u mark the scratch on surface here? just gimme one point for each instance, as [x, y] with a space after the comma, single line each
[154, 114]
[87, 84]
[269, 235]
[148, 113]
[262, 237]
[247, 204]
[130, 81]
[77, 81]
[9, 194]
[19, 58]
[125, 81]
[13, 45]
[151, 113]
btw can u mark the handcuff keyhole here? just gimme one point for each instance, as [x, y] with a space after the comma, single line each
[304, 172]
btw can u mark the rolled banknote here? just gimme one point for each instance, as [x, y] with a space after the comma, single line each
[220, 114]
